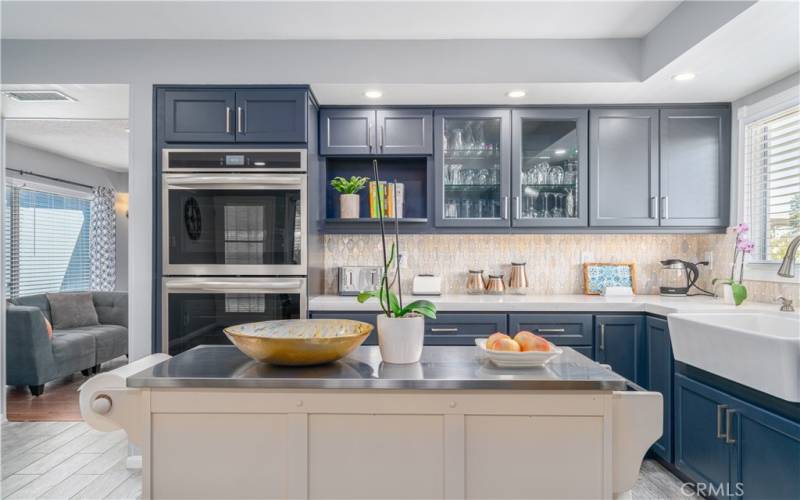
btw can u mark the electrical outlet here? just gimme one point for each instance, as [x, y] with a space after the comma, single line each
[403, 260]
[587, 257]
[709, 257]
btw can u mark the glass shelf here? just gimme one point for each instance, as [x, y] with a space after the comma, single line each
[471, 187]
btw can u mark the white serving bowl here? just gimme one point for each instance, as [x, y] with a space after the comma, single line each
[524, 359]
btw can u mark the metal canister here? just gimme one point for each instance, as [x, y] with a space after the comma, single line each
[518, 280]
[476, 285]
[495, 286]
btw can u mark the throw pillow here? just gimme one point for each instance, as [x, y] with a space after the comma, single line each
[48, 326]
[72, 310]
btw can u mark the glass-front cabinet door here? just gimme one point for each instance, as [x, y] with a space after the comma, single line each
[549, 167]
[473, 166]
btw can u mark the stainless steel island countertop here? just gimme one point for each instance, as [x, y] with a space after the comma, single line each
[441, 368]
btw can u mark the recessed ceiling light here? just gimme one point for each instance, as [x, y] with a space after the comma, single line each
[560, 152]
[516, 94]
[683, 77]
[373, 94]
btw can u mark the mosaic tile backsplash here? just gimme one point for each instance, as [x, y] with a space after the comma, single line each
[553, 261]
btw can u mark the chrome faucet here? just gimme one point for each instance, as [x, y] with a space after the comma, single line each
[786, 304]
[787, 266]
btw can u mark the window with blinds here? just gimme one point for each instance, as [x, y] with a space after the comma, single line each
[46, 242]
[772, 182]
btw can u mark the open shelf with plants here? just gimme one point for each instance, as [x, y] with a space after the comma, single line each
[413, 173]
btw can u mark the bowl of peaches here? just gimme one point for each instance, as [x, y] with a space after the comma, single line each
[525, 349]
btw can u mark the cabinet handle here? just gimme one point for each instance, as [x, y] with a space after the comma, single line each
[720, 410]
[239, 119]
[728, 425]
[602, 336]
[381, 138]
[653, 207]
[516, 208]
[227, 119]
[665, 206]
[505, 207]
[551, 330]
[444, 329]
[369, 137]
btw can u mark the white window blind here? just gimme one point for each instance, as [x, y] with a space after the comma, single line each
[47, 242]
[772, 182]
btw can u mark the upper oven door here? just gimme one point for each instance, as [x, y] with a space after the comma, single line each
[234, 224]
[238, 160]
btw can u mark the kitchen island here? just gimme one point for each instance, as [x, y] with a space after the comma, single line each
[211, 423]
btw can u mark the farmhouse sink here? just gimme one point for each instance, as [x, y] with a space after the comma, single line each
[758, 350]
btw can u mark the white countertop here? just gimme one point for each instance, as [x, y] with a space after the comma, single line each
[653, 304]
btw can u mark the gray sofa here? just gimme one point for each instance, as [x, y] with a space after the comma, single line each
[33, 359]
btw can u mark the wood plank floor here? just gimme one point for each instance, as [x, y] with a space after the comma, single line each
[66, 460]
[58, 403]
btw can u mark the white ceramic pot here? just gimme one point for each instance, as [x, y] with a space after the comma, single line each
[727, 295]
[348, 206]
[400, 339]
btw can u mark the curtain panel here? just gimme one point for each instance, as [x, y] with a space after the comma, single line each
[103, 239]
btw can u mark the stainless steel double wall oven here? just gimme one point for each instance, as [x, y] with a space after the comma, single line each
[234, 241]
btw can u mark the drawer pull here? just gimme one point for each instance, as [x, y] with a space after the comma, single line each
[720, 410]
[444, 329]
[728, 425]
[551, 330]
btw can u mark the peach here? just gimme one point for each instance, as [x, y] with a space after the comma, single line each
[506, 344]
[531, 342]
[493, 338]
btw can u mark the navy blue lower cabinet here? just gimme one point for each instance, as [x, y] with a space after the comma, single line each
[732, 447]
[573, 330]
[701, 451]
[620, 343]
[366, 317]
[766, 460]
[462, 328]
[658, 377]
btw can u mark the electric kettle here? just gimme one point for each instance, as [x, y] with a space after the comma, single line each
[678, 277]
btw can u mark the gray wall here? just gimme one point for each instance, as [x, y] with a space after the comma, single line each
[30, 159]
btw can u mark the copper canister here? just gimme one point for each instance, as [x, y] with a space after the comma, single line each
[476, 285]
[495, 286]
[518, 280]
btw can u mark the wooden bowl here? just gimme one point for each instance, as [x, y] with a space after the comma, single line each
[299, 342]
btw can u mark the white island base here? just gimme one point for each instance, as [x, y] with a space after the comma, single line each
[223, 442]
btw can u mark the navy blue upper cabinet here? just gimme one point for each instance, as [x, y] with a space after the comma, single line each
[236, 115]
[659, 378]
[353, 132]
[347, 132]
[623, 167]
[620, 342]
[405, 131]
[271, 115]
[472, 164]
[550, 167]
[695, 167]
[199, 115]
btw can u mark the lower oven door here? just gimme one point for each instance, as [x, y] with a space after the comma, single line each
[196, 310]
[234, 224]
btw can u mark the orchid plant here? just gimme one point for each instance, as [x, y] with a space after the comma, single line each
[391, 303]
[743, 246]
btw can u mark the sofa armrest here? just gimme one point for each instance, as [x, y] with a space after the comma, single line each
[111, 307]
[29, 350]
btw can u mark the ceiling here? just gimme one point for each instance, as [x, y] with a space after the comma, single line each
[332, 20]
[445, 52]
[92, 129]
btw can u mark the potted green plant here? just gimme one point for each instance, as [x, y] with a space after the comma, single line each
[401, 327]
[349, 199]
[733, 291]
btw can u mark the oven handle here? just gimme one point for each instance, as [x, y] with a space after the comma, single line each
[232, 285]
[224, 180]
